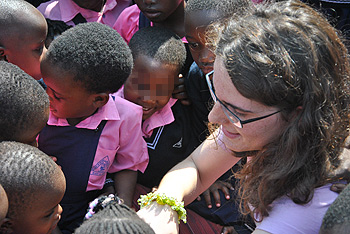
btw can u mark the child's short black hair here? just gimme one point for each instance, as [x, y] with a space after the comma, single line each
[54, 29]
[10, 12]
[160, 44]
[23, 103]
[225, 8]
[115, 219]
[25, 171]
[95, 54]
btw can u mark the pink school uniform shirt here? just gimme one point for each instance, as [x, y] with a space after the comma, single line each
[160, 118]
[66, 10]
[121, 142]
[128, 23]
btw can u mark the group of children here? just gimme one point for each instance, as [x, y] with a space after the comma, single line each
[88, 129]
[107, 114]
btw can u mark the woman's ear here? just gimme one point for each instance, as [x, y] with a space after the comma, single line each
[296, 112]
[100, 99]
[6, 226]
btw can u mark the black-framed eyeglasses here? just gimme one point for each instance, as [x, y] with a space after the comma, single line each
[229, 114]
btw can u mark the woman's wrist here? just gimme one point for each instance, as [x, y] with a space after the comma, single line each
[162, 199]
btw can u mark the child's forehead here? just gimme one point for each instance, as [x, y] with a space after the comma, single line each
[150, 70]
[201, 17]
[140, 77]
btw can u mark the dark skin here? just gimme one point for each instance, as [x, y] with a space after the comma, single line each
[94, 5]
[165, 13]
[195, 26]
[124, 183]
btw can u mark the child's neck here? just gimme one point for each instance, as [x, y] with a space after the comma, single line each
[75, 121]
[175, 22]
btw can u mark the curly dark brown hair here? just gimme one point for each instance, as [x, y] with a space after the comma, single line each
[287, 55]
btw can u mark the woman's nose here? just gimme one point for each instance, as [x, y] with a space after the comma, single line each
[217, 115]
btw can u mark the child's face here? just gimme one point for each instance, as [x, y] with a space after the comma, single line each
[68, 98]
[150, 84]
[29, 136]
[25, 46]
[158, 10]
[42, 216]
[4, 204]
[195, 25]
[95, 5]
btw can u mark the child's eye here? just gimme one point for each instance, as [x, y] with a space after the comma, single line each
[193, 45]
[57, 98]
[39, 49]
[49, 215]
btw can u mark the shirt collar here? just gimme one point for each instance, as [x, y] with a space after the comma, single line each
[162, 117]
[107, 112]
[70, 9]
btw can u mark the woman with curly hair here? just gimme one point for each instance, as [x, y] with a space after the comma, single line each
[281, 90]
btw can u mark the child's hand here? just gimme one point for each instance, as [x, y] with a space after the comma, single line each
[107, 190]
[180, 91]
[228, 230]
[338, 188]
[214, 189]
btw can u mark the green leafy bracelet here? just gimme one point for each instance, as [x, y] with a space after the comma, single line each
[162, 199]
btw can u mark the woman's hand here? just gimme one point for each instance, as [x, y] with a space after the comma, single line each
[161, 218]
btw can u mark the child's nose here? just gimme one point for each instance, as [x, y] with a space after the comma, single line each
[207, 56]
[149, 2]
[149, 101]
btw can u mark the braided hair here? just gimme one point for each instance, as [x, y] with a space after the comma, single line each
[113, 219]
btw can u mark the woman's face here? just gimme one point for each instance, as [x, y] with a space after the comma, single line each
[253, 136]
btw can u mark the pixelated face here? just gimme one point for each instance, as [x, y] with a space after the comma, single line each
[158, 10]
[195, 25]
[42, 216]
[26, 46]
[150, 84]
[68, 98]
[95, 5]
[4, 205]
[29, 136]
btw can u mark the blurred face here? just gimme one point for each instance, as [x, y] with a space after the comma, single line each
[195, 25]
[95, 5]
[253, 136]
[68, 99]
[158, 10]
[42, 216]
[25, 46]
[150, 84]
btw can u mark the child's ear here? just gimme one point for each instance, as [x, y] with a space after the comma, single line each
[2, 53]
[100, 99]
[6, 226]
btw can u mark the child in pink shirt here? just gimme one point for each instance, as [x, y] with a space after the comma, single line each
[73, 12]
[23, 31]
[89, 131]
[164, 13]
